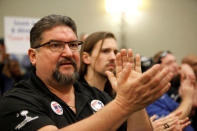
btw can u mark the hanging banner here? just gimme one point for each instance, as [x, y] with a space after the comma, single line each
[16, 34]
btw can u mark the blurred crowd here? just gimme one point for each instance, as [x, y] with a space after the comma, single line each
[183, 89]
[12, 69]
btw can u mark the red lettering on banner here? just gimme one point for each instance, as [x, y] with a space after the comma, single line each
[18, 38]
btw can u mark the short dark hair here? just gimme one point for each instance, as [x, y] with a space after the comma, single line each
[89, 44]
[47, 23]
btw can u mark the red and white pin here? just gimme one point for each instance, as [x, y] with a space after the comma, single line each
[56, 108]
[97, 105]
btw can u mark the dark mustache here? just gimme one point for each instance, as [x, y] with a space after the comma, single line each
[66, 59]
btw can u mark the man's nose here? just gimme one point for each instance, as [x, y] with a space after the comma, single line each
[112, 56]
[67, 51]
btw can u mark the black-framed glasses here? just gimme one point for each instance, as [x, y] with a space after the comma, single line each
[58, 45]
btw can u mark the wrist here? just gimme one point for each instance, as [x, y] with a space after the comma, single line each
[188, 98]
[123, 106]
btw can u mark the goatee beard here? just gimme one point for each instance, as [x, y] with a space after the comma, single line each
[65, 79]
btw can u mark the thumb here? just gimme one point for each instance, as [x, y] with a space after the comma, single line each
[112, 79]
[153, 118]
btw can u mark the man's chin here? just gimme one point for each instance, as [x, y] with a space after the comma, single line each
[67, 70]
[68, 74]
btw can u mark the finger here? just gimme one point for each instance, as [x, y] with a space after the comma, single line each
[153, 117]
[124, 75]
[147, 76]
[131, 58]
[173, 121]
[124, 57]
[151, 95]
[118, 63]
[185, 124]
[160, 91]
[184, 120]
[161, 79]
[138, 63]
[183, 76]
[112, 79]
[168, 118]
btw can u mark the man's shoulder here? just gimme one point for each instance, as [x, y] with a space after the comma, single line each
[20, 95]
[21, 88]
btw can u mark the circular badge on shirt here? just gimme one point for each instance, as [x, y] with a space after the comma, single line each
[97, 105]
[56, 108]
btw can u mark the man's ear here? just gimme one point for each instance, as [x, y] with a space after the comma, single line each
[32, 56]
[86, 58]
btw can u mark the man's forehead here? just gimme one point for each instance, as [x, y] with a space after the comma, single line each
[60, 32]
[109, 43]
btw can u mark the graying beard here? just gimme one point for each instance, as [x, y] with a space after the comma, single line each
[65, 79]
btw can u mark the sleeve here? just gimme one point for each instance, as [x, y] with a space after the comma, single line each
[21, 116]
[162, 107]
[155, 109]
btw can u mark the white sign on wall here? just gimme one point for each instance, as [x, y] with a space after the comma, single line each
[16, 34]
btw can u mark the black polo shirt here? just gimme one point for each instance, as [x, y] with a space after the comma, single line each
[30, 105]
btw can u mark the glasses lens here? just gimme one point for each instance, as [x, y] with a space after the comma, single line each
[74, 45]
[57, 46]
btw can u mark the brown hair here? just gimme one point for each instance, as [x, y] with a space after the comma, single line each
[47, 23]
[89, 44]
[190, 59]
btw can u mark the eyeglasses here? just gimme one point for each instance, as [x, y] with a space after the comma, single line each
[58, 46]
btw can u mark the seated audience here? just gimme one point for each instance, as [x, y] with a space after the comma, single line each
[166, 105]
[10, 75]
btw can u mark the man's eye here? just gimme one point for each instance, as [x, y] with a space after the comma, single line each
[73, 45]
[55, 45]
[106, 51]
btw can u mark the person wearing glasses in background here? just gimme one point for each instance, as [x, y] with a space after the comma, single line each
[165, 105]
[190, 61]
[53, 100]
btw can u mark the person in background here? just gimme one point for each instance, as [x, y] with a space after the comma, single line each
[10, 75]
[167, 59]
[26, 66]
[192, 61]
[52, 99]
[98, 54]
[166, 105]
[171, 121]
[189, 63]
[3, 55]
[2, 62]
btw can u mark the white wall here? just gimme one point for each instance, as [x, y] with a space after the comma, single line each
[162, 25]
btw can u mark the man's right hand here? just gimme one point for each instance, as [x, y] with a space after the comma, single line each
[134, 90]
